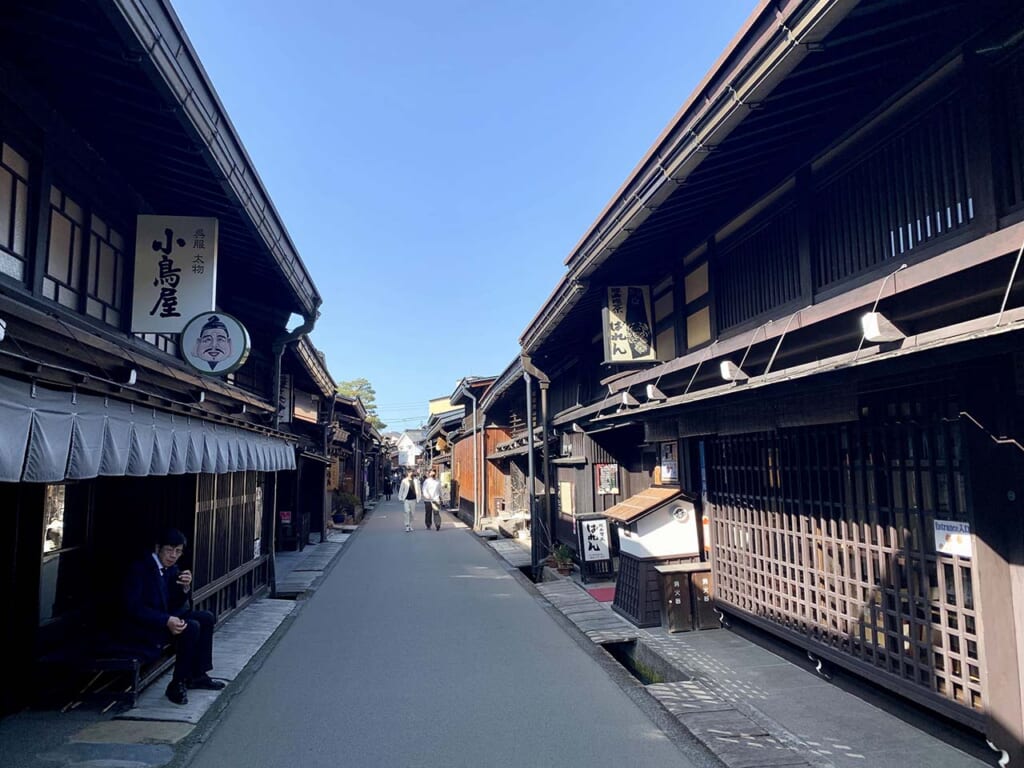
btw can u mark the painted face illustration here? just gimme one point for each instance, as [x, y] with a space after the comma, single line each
[214, 343]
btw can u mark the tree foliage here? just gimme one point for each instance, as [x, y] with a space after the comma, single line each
[362, 389]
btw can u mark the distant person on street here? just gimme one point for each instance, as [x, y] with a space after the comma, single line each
[388, 485]
[158, 610]
[409, 494]
[432, 500]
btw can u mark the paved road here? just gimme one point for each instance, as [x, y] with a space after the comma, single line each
[422, 649]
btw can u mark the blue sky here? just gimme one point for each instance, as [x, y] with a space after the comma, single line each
[436, 162]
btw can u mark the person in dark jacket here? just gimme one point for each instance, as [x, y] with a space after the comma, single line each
[158, 609]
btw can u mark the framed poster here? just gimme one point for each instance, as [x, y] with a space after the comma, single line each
[669, 463]
[607, 479]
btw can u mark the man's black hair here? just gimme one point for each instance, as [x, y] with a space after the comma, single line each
[171, 537]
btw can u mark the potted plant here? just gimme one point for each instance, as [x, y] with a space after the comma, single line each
[346, 506]
[561, 559]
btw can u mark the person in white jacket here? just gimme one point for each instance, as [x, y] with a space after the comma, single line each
[409, 493]
[432, 500]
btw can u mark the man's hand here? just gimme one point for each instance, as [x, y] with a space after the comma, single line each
[175, 625]
[185, 580]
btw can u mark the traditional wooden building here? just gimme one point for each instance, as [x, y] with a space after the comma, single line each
[805, 303]
[306, 403]
[107, 435]
[470, 445]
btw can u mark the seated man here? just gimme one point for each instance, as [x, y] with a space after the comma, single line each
[158, 610]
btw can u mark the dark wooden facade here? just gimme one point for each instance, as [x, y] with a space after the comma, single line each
[130, 439]
[878, 169]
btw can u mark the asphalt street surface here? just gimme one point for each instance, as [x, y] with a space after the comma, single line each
[424, 649]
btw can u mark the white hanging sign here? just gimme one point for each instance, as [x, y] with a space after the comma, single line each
[175, 271]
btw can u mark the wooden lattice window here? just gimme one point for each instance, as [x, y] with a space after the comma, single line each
[757, 269]
[909, 191]
[828, 532]
[1008, 157]
[13, 212]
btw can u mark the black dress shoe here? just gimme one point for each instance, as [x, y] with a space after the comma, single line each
[206, 683]
[176, 692]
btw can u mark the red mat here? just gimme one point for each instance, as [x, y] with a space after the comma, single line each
[602, 594]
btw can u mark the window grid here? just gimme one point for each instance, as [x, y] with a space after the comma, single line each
[14, 170]
[166, 342]
[828, 532]
[62, 281]
[105, 289]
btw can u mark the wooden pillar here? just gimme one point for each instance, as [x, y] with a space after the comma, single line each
[996, 477]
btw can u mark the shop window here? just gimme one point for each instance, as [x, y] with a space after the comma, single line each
[63, 580]
[13, 212]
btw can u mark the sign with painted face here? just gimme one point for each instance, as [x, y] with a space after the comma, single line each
[175, 271]
[214, 343]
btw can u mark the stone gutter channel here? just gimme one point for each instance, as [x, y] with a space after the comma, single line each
[737, 735]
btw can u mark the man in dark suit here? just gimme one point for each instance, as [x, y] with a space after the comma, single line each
[158, 610]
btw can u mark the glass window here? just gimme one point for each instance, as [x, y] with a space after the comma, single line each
[63, 580]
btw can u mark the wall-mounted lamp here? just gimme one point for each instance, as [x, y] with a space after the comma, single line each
[627, 399]
[878, 328]
[732, 372]
[654, 394]
[127, 376]
[240, 409]
[3, 329]
[199, 395]
[576, 427]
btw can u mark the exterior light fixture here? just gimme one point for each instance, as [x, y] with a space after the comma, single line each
[732, 372]
[878, 328]
[3, 329]
[627, 399]
[128, 376]
[654, 394]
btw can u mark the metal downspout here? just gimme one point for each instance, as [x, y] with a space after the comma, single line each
[476, 464]
[535, 558]
[277, 351]
[537, 540]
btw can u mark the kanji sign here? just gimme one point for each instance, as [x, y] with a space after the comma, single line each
[628, 330]
[175, 271]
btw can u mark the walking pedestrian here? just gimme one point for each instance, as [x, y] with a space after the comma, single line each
[409, 493]
[432, 500]
[389, 486]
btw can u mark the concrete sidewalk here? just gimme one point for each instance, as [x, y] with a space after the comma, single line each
[763, 703]
[156, 732]
[751, 703]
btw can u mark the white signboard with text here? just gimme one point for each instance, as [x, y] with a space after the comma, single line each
[175, 272]
[594, 539]
[953, 538]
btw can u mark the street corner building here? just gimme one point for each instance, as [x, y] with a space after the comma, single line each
[789, 354]
[147, 376]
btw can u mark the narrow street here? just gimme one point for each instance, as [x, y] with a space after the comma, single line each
[423, 649]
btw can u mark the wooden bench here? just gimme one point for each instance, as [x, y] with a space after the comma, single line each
[110, 674]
